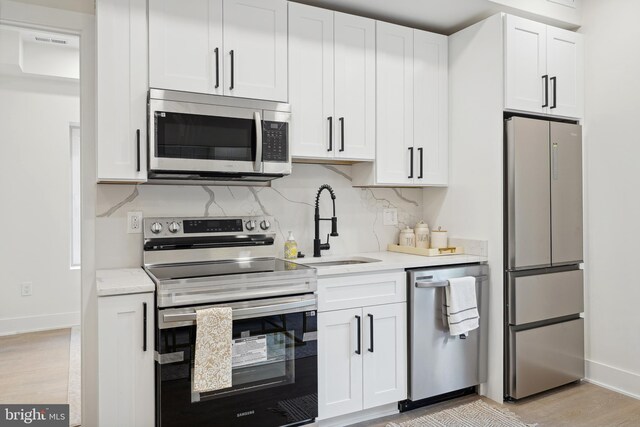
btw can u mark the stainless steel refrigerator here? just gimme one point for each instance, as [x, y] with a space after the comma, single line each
[544, 332]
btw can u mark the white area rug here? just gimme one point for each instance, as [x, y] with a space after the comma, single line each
[474, 414]
[74, 386]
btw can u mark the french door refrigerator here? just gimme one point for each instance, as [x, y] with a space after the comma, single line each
[544, 333]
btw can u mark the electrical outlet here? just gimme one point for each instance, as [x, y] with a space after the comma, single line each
[134, 222]
[26, 289]
[390, 216]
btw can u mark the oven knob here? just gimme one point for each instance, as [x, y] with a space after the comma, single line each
[251, 225]
[265, 225]
[174, 227]
[156, 227]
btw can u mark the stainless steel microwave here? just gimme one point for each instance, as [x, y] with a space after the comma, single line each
[199, 137]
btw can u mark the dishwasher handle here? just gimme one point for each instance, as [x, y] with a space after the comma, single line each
[426, 284]
[432, 284]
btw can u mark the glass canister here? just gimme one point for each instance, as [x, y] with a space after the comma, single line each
[422, 235]
[407, 237]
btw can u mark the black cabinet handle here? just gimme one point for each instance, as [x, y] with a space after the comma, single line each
[330, 133]
[138, 150]
[555, 93]
[545, 78]
[411, 163]
[144, 326]
[370, 332]
[358, 325]
[232, 70]
[217, 68]
[341, 133]
[421, 150]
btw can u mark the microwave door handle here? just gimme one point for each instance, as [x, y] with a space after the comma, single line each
[257, 165]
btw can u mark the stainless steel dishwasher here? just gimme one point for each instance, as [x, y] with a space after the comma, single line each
[438, 362]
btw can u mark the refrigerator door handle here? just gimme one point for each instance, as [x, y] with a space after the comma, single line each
[554, 161]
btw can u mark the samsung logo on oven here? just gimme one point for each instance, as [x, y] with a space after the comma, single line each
[244, 414]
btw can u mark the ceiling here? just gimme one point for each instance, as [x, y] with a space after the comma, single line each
[448, 16]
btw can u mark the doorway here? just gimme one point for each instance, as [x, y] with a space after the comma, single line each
[40, 291]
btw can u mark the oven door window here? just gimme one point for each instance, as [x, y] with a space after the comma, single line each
[201, 137]
[274, 375]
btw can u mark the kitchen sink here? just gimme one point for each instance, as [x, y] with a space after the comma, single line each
[342, 261]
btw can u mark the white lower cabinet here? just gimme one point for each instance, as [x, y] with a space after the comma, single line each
[125, 357]
[385, 354]
[362, 353]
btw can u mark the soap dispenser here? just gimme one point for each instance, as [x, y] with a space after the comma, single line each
[290, 247]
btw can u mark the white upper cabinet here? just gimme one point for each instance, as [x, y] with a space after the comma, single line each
[255, 49]
[543, 68]
[412, 147]
[395, 154]
[331, 84]
[565, 65]
[311, 81]
[223, 47]
[121, 90]
[526, 65]
[355, 87]
[185, 45]
[431, 118]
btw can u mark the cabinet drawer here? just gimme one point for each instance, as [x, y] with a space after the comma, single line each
[546, 357]
[545, 296]
[337, 293]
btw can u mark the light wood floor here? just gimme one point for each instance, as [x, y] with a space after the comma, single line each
[575, 405]
[34, 367]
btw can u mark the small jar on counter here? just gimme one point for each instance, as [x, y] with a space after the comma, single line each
[439, 238]
[407, 237]
[422, 235]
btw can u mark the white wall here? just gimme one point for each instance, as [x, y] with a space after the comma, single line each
[612, 150]
[290, 200]
[472, 204]
[34, 129]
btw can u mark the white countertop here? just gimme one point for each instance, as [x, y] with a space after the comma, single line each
[120, 281]
[388, 261]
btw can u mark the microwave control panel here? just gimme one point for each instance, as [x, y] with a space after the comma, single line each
[275, 146]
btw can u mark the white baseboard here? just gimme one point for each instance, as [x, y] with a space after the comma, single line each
[615, 379]
[360, 416]
[21, 325]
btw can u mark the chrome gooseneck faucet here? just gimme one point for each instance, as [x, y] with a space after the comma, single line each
[317, 246]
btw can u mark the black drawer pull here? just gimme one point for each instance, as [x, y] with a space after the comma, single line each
[358, 326]
[370, 332]
[144, 326]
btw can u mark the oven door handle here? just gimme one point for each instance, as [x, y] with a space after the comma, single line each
[257, 165]
[248, 312]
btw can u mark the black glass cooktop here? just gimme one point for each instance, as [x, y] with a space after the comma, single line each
[224, 268]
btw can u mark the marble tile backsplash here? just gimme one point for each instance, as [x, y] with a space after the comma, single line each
[289, 200]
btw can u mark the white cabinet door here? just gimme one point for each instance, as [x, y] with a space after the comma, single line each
[185, 45]
[311, 81]
[121, 90]
[339, 364]
[255, 44]
[565, 64]
[394, 101]
[430, 116]
[126, 366]
[355, 89]
[385, 354]
[525, 65]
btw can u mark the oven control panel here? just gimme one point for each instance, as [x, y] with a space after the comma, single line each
[198, 227]
[275, 141]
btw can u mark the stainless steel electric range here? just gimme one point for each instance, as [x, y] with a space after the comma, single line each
[206, 262]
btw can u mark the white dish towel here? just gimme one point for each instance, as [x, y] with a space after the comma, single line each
[461, 305]
[212, 367]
